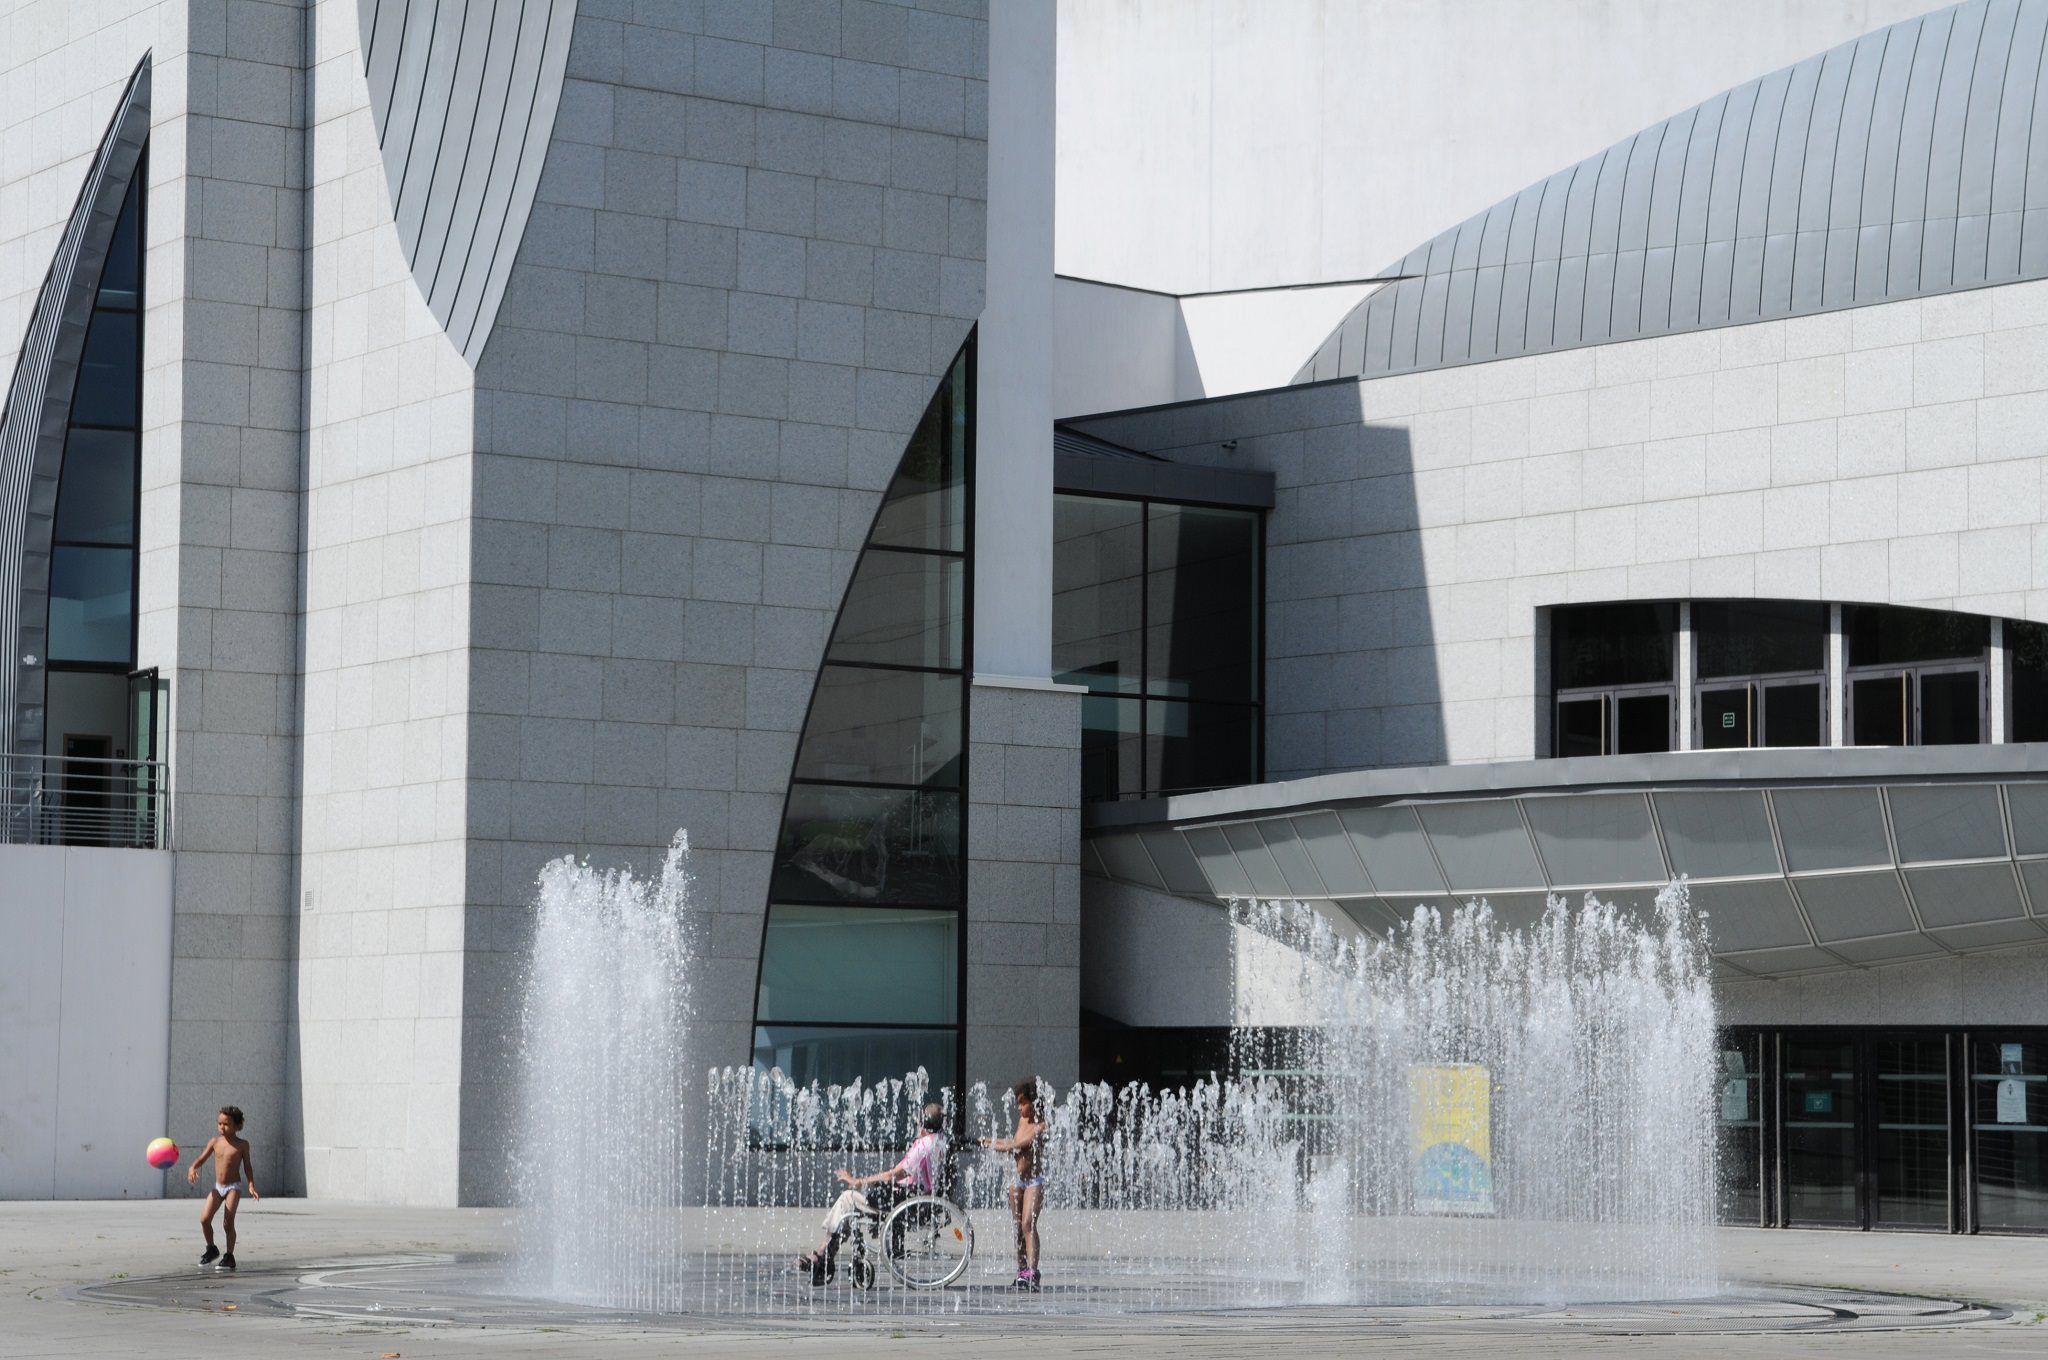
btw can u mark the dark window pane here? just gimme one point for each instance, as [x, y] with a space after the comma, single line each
[1725, 718]
[1792, 715]
[1742, 637]
[834, 1057]
[96, 495]
[890, 846]
[121, 279]
[1200, 746]
[1820, 1131]
[859, 965]
[1879, 635]
[1611, 644]
[2027, 646]
[1877, 710]
[108, 376]
[1202, 601]
[2009, 1118]
[91, 604]
[1112, 764]
[1951, 709]
[1582, 727]
[903, 609]
[1097, 577]
[1642, 722]
[1741, 1131]
[1912, 1132]
[926, 505]
[883, 727]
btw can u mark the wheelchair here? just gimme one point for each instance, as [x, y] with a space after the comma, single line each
[926, 1240]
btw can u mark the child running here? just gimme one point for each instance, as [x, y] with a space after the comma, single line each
[1027, 1195]
[232, 1172]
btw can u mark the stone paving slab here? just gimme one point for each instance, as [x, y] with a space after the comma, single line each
[54, 1257]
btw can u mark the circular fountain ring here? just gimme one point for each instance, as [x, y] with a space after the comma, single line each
[458, 1291]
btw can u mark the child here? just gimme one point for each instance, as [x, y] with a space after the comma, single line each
[231, 1170]
[1027, 1196]
[917, 1174]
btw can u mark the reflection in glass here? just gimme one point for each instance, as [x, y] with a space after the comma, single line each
[2009, 1120]
[96, 497]
[1879, 707]
[1951, 708]
[106, 389]
[1741, 1130]
[91, 592]
[1792, 714]
[926, 504]
[869, 726]
[1198, 746]
[1112, 757]
[1201, 585]
[843, 844]
[1881, 635]
[1098, 574]
[1611, 644]
[1912, 1132]
[1821, 1126]
[835, 1056]
[1642, 723]
[1758, 637]
[903, 609]
[851, 965]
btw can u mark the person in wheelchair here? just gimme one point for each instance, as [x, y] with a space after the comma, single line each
[920, 1172]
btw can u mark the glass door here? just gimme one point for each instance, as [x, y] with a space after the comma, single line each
[1741, 1129]
[145, 720]
[2009, 1121]
[1822, 1121]
[1911, 1149]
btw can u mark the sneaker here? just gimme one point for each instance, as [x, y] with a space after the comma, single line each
[227, 1262]
[210, 1255]
[1027, 1280]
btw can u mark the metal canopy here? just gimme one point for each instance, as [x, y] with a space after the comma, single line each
[1804, 861]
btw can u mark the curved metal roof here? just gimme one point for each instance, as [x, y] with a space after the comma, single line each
[1908, 162]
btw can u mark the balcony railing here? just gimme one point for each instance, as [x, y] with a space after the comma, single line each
[55, 800]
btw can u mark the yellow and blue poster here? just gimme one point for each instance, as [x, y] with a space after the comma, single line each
[1450, 1138]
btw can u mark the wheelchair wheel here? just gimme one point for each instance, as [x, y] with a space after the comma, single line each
[928, 1242]
[862, 1272]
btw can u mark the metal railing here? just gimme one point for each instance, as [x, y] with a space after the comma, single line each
[58, 800]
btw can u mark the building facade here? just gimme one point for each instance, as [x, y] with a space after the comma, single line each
[446, 437]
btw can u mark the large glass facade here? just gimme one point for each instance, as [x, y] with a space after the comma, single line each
[1611, 670]
[1157, 609]
[863, 945]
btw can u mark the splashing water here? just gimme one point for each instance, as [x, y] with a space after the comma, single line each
[603, 1046]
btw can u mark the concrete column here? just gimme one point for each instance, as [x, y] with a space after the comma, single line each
[1013, 453]
[1685, 685]
[1996, 666]
[1837, 685]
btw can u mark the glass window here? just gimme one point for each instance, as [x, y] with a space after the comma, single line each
[121, 279]
[2009, 1119]
[859, 965]
[1912, 1132]
[1880, 709]
[1793, 714]
[1727, 718]
[1741, 1129]
[834, 1056]
[1758, 637]
[107, 377]
[1199, 746]
[1112, 751]
[903, 609]
[1879, 635]
[926, 504]
[1612, 644]
[1582, 726]
[1821, 1126]
[96, 497]
[91, 604]
[2026, 645]
[1642, 723]
[869, 726]
[1201, 586]
[841, 844]
[1951, 707]
[1098, 570]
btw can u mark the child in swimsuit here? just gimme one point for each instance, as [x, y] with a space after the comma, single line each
[1027, 1195]
[232, 1173]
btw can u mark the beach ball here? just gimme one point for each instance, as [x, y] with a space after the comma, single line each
[162, 1153]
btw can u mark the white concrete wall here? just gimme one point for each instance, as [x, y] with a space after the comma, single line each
[85, 1011]
[1894, 454]
[1150, 959]
[1115, 348]
[1983, 989]
[1209, 144]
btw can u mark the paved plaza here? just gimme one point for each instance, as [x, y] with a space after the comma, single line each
[113, 1279]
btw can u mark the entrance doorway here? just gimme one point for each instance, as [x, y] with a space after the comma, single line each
[1866, 1130]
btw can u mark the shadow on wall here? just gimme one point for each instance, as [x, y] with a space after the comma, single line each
[1358, 667]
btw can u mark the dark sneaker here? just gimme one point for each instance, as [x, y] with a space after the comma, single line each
[210, 1255]
[1027, 1281]
[227, 1262]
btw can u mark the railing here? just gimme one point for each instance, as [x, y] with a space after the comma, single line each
[57, 800]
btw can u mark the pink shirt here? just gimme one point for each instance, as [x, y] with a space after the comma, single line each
[919, 1168]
